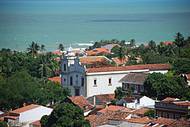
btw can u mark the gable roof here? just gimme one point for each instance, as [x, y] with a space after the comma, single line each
[25, 108]
[120, 61]
[81, 102]
[114, 108]
[136, 78]
[93, 59]
[151, 67]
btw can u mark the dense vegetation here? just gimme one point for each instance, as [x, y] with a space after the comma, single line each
[23, 78]
[160, 86]
[65, 115]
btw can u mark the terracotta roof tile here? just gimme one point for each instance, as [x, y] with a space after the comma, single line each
[151, 67]
[141, 120]
[97, 51]
[36, 123]
[93, 59]
[55, 79]
[141, 111]
[114, 108]
[183, 103]
[169, 99]
[120, 61]
[81, 102]
[164, 121]
[25, 108]
[102, 99]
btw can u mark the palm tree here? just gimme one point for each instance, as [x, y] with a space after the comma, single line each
[33, 49]
[132, 42]
[61, 47]
[152, 45]
[42, 48]
[179, 41]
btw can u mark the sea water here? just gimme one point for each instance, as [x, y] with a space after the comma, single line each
[78, 22]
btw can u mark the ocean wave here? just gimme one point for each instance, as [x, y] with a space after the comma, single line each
[84, 44]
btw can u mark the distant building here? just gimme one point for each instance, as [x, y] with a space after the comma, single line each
[136, 103]
[120, 61]
[98, 80]
[134, 82]
[110, 46]
[98, 51]
[172, 108]
[26, 115]
[81, 102]
[56, 79]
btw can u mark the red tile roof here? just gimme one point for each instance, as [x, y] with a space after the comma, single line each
[120, 61]
[169, 99]
[81, 102]
[55, 79]
[114, 108]
[188, 76]
[93, 59]
[164, 121]
[141, 111]
[151, 67]
[97, 51]
[36, 123]
[168, 43]
[57, 52]
[183, 103]
[140, 120]
[102, 99]
[25, 108]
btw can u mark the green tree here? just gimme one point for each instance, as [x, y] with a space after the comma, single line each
[65, 115]
[33, 49]
[3, 124]
[152, 45]
[132, 42]
[119, 93]
[150, 113]
[179, 41]
[61, 47]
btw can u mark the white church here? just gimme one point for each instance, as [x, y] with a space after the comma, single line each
[103, 80]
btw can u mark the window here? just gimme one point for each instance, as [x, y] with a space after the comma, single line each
[109, 81]
[82, 81]
[77, 92]
[64, 67]
[76, 76]
[95, 82]
[71, 80]
[64, 80]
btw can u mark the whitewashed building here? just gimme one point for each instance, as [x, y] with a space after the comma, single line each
[103, 80]
[25, 115]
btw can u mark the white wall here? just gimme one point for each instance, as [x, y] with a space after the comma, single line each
[145, 102]
[34, 114]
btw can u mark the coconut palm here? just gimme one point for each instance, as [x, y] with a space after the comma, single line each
[33, 49]
[61, 47]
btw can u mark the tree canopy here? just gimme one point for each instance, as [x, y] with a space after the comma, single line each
[65, 115]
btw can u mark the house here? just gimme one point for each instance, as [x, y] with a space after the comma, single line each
[95, 61]
[134, 82]
[25, 115]
[120, 61]
[98, 51]
[102, 99]
[99, 80]
[110, 46]
[56, 79]
[82, 103]
[136, 103]
[172, 108]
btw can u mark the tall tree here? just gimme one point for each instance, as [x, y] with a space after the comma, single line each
[132, 42]
[61, 47]
[179, 41]
[33, 49]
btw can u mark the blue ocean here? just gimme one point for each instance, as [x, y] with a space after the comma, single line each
[78, 22]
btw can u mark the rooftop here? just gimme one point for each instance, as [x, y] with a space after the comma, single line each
[81, 102]
[97, 51]
[151, 67]
[25, 108]
[120, 61]
[140, 120]
[114, 108]
[141, 111]
[102, 99]
[55, 79]
[136, 78]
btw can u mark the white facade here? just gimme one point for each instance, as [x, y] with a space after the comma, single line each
[142, 102]
[32, 115]
[75, 77]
